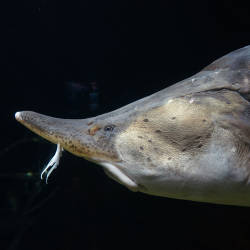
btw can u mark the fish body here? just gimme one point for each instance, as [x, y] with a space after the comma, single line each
[189, 141]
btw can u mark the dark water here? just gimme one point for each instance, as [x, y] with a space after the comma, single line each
[79, 59]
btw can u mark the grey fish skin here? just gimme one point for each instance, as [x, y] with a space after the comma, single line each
[189, 141]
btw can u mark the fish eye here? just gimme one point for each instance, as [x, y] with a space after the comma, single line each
[109, 128]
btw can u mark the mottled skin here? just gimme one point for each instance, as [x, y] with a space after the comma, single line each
[189, 141]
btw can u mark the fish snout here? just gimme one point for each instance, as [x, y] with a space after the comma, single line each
[78, 136]
[55, 130]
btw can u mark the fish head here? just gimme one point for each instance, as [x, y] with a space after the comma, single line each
[91, 138]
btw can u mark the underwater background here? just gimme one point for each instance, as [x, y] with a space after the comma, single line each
[76, 59]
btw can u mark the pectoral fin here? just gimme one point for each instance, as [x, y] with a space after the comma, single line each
[116, 174]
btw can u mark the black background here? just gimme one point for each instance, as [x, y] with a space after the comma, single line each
[131, 49]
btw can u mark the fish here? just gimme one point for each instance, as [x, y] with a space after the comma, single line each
[189, 141]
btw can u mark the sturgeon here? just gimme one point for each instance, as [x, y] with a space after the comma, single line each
[189, 141]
